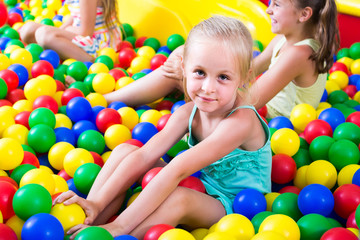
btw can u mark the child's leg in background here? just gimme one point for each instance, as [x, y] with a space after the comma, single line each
[27, 31]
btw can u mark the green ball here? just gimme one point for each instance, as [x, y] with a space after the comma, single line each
[355, 50]
[44, 4]
[259, 218]
[19, 172]
[85, 176]
[94, 233]
[349, 131]
[138, 75]
[131, 39]
[302, 158]
[303, 143]
[10, 3]
[28, 149]
[29, 17]
[3, 88]
[62, 68]
[338, 96]
[312, 226]
[140, 112]
[357, 216]
[81, 86]
[259, 45]
[286, 204]
[3, 28]
[351, 103]
[47, 21]
[41, 138]
[334, 223]
[77, 70]
[344, 52]
[11, 33]
[319, 148]
[174, 41]
[58, 75]
[16, 42]
[342, 153]
[31, 199]
[152, 42]
[105, 60]
[42, 116]
[166, 54]
[91, 140]
[62, 110]
[127, 30]
[35, 50]
[178, 147]
[88, 81]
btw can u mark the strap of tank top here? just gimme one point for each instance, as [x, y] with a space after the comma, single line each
[191, 118]
[310, 42]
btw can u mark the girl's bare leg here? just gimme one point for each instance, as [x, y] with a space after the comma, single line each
[59, 40]
[27, 31]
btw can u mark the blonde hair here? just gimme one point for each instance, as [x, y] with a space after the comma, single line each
[111, 15]
[234, 35]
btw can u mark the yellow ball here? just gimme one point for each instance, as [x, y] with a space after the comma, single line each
[64, 11]
[324, 105]
[146, 51]
[282, 224]
[36, 11]
[331, 86]
[340, 78]
[357, 97]
[3, 173]
[129, 117]
[269, 235]
[105, 156]
[35, 3]
[354, 230]
[347, 61]
[151, 116]
[270, 197]
[98, 68]
[46, 169]
[321, 172]
[75, 158]
[48, 13]
[300, 177]
[57, 96]
[57, 154]
[4, 62]
[60, 184]
[116, 134]
[139, 63]
[346, 174]
[301, 115]
[21, 56]
[165, 112]
[23, 105]
[96, 99]
[17, 132]
[16, 224]
[39, 176]
[69, 61]
[122, 82]
[355, 67]
[132, 199]
[199, 233]
[103, 83]
[69, 216]
[285, 141]
[110, 52]
[11, 48]
[11, 153]
[219, 236]
[54, 5]
[6, 121]
[1, 218]
[57, 23]
[17, 25]
[63, 121]
[236, 225]
[39, 18]
[176, 234]
[42, 85]
[8, 110]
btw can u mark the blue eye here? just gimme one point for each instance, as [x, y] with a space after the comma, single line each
[223, 77]
[199, 72]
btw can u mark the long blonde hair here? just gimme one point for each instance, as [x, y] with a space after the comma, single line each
[111, 14]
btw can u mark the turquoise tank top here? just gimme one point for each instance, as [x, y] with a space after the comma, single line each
[238, 170]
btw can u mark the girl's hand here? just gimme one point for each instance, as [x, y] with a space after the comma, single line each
[75, 230]
[172, 67]
[90, 208]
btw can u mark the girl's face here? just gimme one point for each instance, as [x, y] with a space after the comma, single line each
[284, 16]
[212, 76]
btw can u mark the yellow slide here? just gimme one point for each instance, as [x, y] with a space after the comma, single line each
[350, 7]
[161, 18]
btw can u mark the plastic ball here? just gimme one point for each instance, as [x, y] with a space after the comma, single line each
[51, 56]
[219, 236]
[77, 70]
[103, 83]
[285, 141]
[57, 154]
[42, 85]
[301, 115]
[6, 233]
[64, 134]
[16, 224]
[283, 168]
[82, 126]
[34, 195]
[42, 226]
[236, 225]
[75, 158]
[3, 14]
[174, 41]
[317, 128]
[316, 198]
[17, 132]
[21, 72]
[98, 68]
[69, 94]
[343, 152]
[7, 193]
[41, 138]
[42, 115]
[313, 226]
[319, 147]
[10, 78]
[151, 116]
[259, 218]
[94, 233]
[144, 131]
[11, 153]
[157, 61]
[332, 116]
[106, 118]
[286, 203]
[338, 233]
[176, 234]
[69, 215]
[150, 174]
[193, 183]
[347, 198]
[91, 140]
[155, 231]
[321, 172]
[347, 173]
[349, 131]
[129, 117]
[38, 176]
[85, 176]
[281, 224]
[126, 56]
[281, 122]
[4, 62]
[60, 185]
[78, 108]
[21, 56]
[140, 62]
[340, 77]
[249, 202]
[355, 67]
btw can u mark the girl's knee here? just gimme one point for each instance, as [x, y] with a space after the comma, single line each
[43, 35]
[124, 147]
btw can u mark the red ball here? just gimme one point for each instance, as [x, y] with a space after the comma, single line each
[69, 94]
[193, 183]
[23, 118]
[346, 198]
[283, 168]
[291, 189]
[339, 66]
[263, 111]
[59, 86]
[317, 128]
[157, 60]
[125, 57]
[149, 175]
[125, 44]
[354, 118]
[117, 73]
[30, 158]
[140, 42]
[106, 118]
[9, 180]
[135, 142]
[11, 79]
[6, 232]
[338, 233]
[155, 231]
[164, 105]
[97, 158]
[46, 102]
[15, 95]
[350, 90]
[13, 18]
[5, 102]
[3, 14]
[7, 191]
[41, 67]
[351, 221]
[64, 175]
[162, 121]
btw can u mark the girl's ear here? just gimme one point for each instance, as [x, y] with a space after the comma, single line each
[182, 65]
[306, 14]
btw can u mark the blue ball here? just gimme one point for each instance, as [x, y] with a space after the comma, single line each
[125, 237]
[164, 49]
[256, 53]
[3, 42]
[117, 105]
[324, 96]
[249, 202]
[177, 105]
[79, 108]
[42, 226]
[21, 72]
[316, 198]
[356, 178]
[64, 134]
[88, 64]
[144, 131]
[281, 122]
[82, 126]
[51, 56]
[16, 10]
[146, 71]
[354, 79]
[73, 188]
[144, 107]
[58, 18]
[96, 110]
[332, 116]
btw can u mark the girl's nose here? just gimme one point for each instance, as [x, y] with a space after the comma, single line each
[208, 85]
